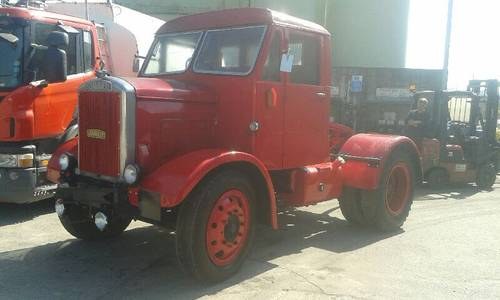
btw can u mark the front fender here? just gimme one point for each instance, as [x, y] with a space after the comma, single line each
[178, 177]
[366, 155]
[53, 169]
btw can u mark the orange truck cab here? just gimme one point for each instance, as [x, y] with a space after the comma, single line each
[227, 123]
[35, 116]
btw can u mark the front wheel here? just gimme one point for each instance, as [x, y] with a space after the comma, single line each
[215, 227]
[388, 207]
[79, 222]
[486, 176]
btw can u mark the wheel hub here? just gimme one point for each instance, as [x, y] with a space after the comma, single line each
[232, 228]
[228, 227]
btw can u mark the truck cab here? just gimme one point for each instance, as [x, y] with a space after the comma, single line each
[227, 122]
[35, 116]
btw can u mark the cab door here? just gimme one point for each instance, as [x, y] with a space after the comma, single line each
[269, 103]
[54, 106]
[307, 100]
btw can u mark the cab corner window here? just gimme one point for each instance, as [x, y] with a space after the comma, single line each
[271, 70]
[306, 59]
[88, 58]
[172, 53]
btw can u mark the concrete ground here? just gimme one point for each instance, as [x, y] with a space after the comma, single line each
[448, 249]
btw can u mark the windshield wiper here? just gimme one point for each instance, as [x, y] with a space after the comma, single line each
[9, 37]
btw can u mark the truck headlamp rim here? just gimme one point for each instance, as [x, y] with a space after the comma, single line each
[8, 160]
[131, 174]
[64, 162]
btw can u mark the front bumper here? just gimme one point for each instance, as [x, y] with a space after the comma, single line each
[96, 194]
[24, 185]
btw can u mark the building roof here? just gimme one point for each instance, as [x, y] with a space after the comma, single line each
[239, 17]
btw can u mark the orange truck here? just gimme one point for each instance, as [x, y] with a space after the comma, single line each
[36, 115]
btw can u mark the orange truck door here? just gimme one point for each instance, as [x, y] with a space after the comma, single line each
[54, 107]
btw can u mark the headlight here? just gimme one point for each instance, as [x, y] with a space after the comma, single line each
[16, 160]
[131, 174]
[64, 162]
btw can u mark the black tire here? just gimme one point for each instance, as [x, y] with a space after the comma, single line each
[486, 176]
[79, 223]
[350, 206]
[194, 253]
[388, 207]
[438, 178]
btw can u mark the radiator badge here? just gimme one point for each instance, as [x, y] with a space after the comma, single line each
[97, 134]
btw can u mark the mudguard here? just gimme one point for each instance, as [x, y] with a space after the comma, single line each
[366, 154]
[53, 169]
[178, 177]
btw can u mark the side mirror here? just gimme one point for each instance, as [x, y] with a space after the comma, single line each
[55, 63]
[136, 65]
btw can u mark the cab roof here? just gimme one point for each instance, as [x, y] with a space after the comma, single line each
[38, 14]
[238, 17]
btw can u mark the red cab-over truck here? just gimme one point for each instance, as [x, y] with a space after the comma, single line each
[227, 122]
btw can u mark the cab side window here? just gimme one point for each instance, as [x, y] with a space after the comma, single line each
[272, 65]
[306, 59]
[40, 35]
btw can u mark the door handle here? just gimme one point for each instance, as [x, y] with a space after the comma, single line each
[321, 94]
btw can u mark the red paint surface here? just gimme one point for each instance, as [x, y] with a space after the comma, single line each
[360, 174]
[101, 111]
[175, 179]
[313, 184]
[53, 168]
[238, 17]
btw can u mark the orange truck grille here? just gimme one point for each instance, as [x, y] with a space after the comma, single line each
[99, 133]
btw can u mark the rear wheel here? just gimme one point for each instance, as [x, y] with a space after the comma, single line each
[486, 176]
[388, 207]
[350, 206]
[215, 227]
[78, 221]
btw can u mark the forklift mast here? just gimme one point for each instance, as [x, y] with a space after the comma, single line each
[488, 90]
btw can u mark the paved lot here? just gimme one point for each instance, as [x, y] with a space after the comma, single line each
[449, 248]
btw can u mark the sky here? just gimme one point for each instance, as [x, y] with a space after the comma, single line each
[475, 40]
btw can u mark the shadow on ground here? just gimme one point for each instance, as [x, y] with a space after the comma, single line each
[19, 213]
[452, 191]
[142, 263]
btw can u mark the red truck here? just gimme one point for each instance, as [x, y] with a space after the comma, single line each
[227, 123]
[37, 115]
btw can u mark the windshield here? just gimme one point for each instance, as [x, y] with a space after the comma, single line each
[11, 49]
[172, 53]
[226, 51]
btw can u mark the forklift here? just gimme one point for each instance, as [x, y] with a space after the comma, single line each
[460, 144]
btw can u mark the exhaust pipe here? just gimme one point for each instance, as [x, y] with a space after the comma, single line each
[100, 221]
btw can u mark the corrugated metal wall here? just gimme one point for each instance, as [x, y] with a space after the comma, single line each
[367, 33]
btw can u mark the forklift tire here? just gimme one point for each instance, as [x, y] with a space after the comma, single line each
[79, 223]
[437, 178]
[215, 227]
[486, 176]
[388, 206]
[350, 206]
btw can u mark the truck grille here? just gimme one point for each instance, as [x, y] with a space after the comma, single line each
[99, 133]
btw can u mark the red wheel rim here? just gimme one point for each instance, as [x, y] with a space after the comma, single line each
[228, 227]
[398, 189]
